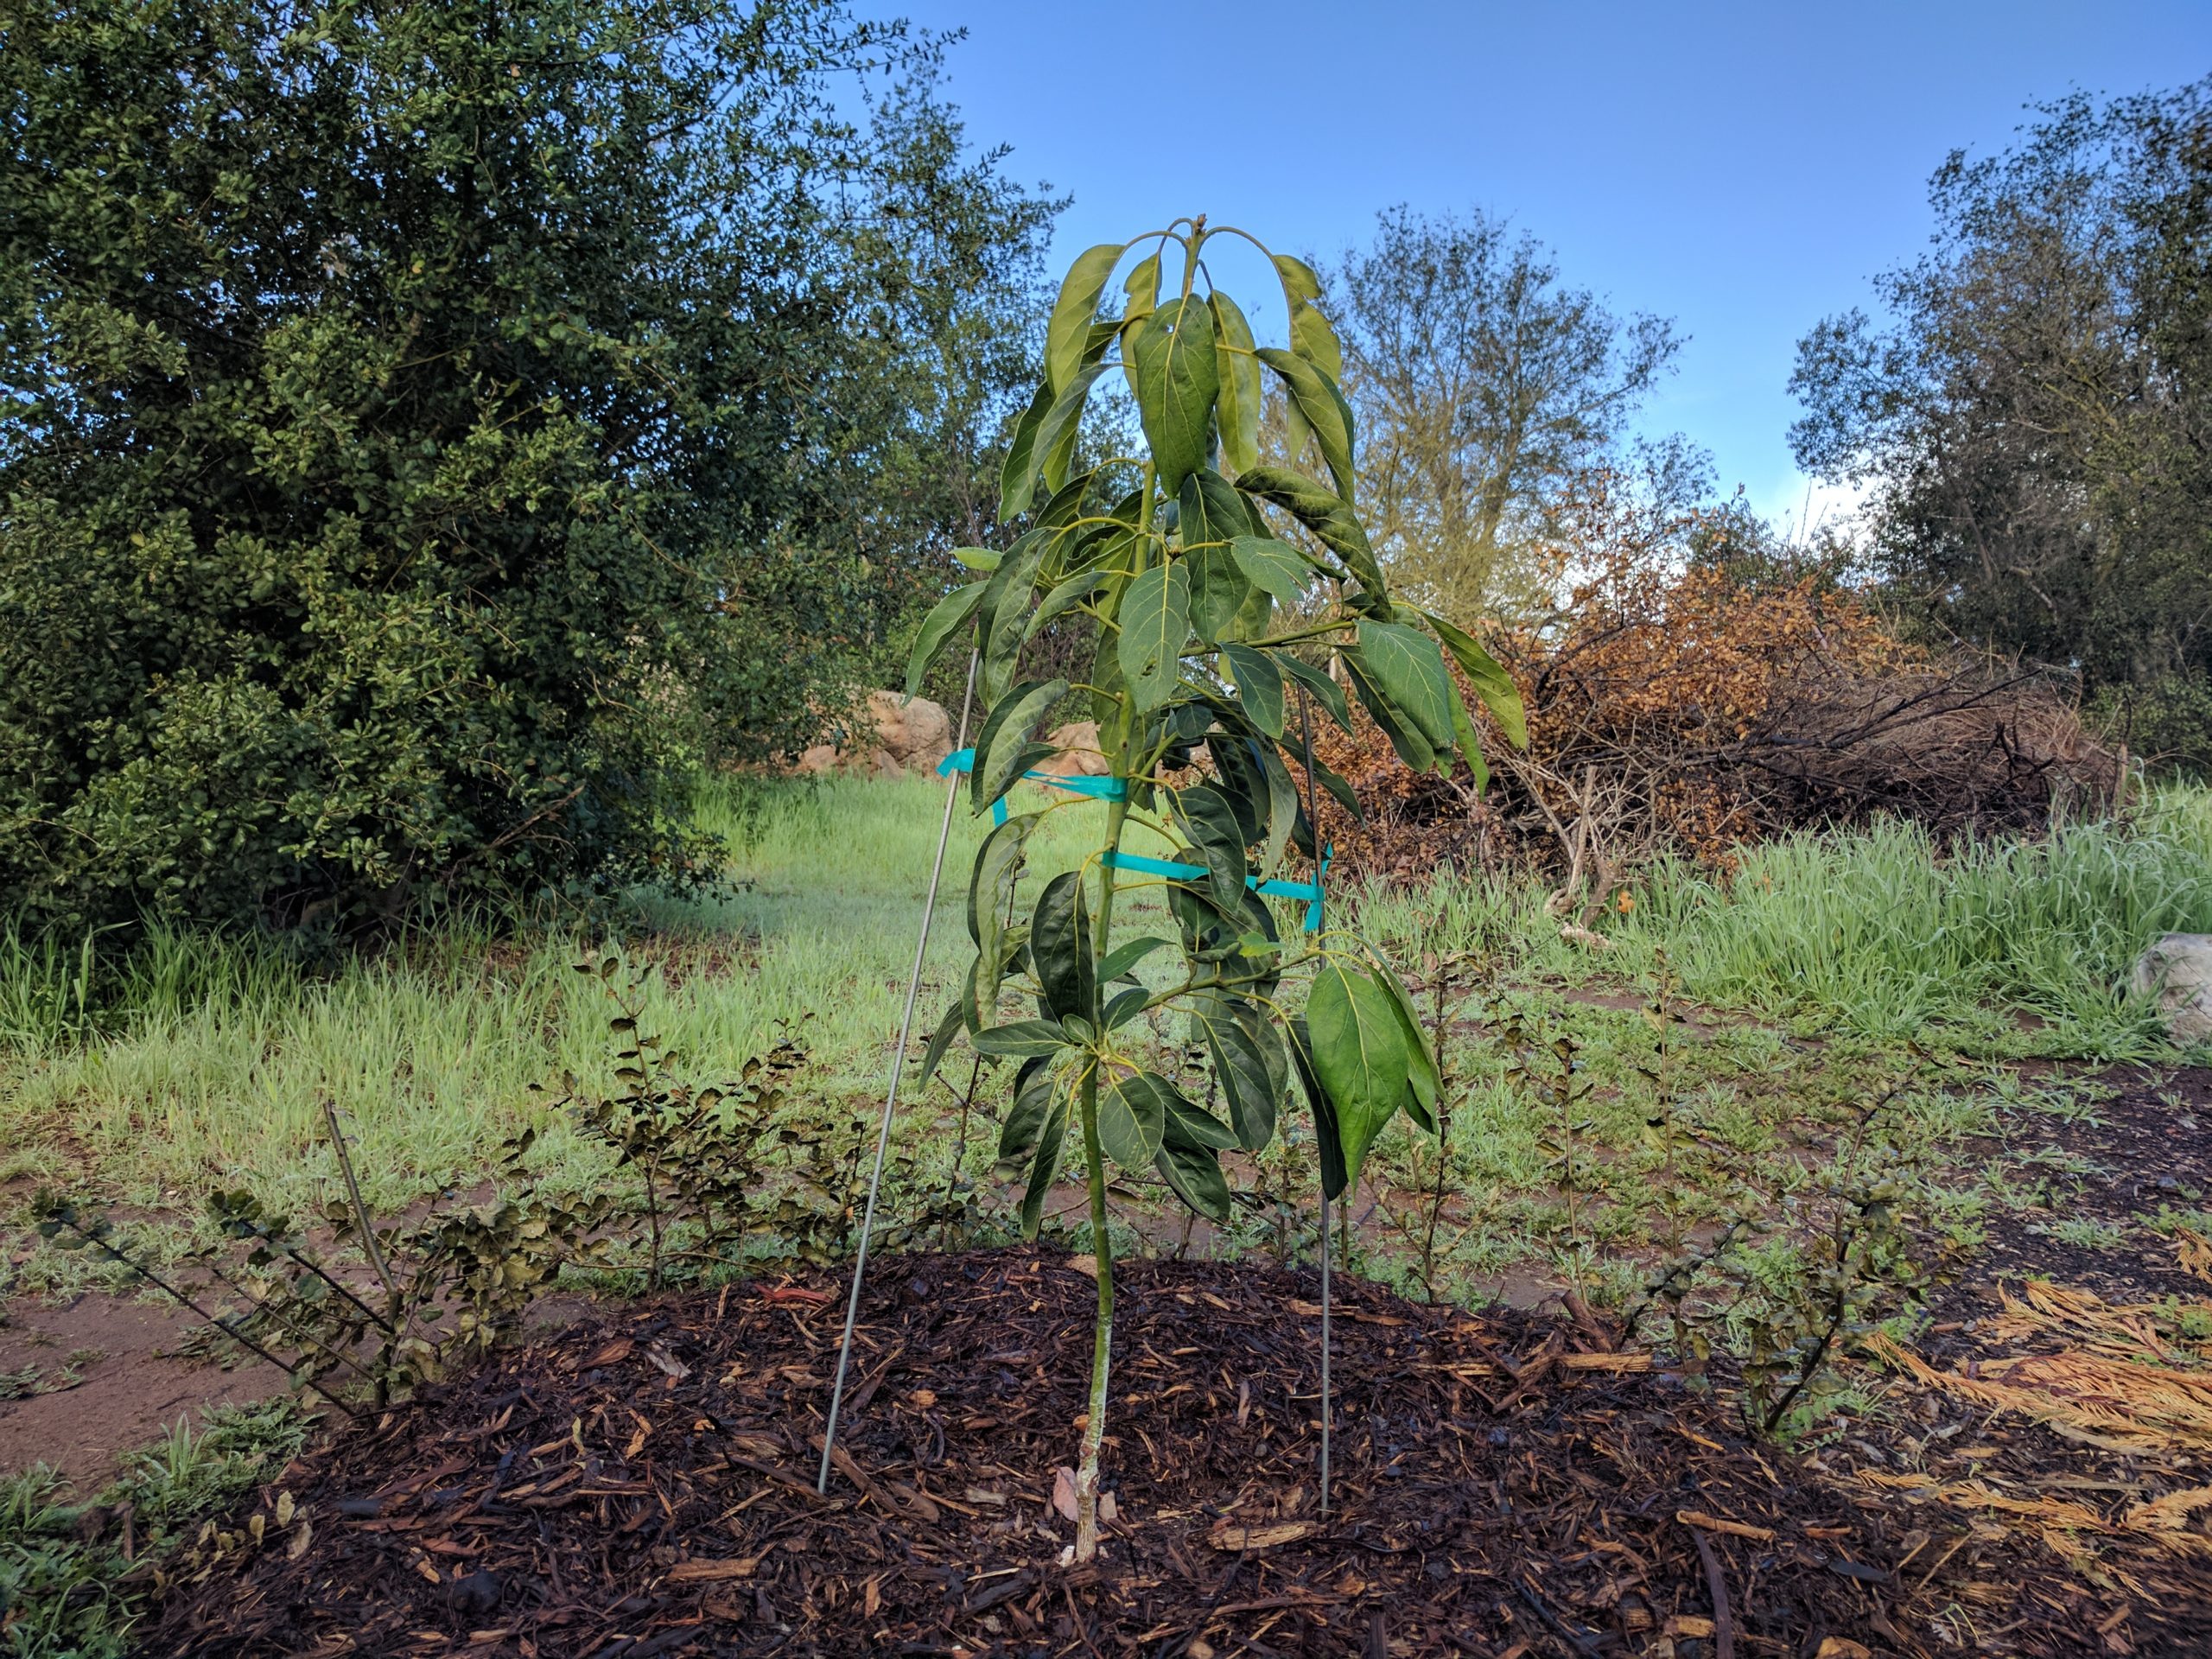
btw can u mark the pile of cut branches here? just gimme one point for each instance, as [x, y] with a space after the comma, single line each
[1682, 711]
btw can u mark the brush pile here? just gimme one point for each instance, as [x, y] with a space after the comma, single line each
[1680, 712]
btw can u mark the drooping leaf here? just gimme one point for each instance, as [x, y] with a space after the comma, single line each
[1205, 816]
[1471, 745]
[1155, 626]
[1176, 376]
[1299, 285]
[1060, 948]
[1190, 1125]
[1330, 519]
[1132, 1117]
[943, 620]
[1259, 685]
[1327, 1140]
[940, 1040]
[1021, 1039]
[1237, 412]
[1358, 1056]
[1282, 810]
[1044, 1168]
[1034, 1089]
[1107, 685]
[1065, 597]
[1005, 620]
[1424, 1083]
[1218, 590]
[1276, 565]
[1319, 684]
[1404, 737]
[1003, 751]
[1018, 472]
[1211, 511]
[990, 889]
[1491, 680]
[1410, 669]
[1142, 286]
[1313, 339]
[1247, 1086]
[1056, 433]
[1323, 408]
[1069, 330]
[1193, 1174]
[1341, 788]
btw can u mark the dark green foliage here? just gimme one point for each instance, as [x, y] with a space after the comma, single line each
[421, 423]
[2038, 423]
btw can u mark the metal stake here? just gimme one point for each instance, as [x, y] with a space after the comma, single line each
[891, 1095]
[1314, 828]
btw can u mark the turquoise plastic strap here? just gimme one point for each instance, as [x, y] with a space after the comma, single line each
[1118, 789]
[1103, 789]
[1309, 891]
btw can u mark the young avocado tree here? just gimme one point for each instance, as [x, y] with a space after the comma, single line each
[1206, 615]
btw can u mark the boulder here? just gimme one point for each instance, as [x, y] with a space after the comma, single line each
[2177, 970]
[887, 736]
[1078, 745]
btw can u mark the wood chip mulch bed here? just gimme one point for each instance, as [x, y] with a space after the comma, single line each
[641, 1483]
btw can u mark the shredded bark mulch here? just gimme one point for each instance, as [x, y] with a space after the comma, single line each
[641, 1483]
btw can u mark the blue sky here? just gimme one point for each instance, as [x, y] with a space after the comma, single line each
[1741, 169]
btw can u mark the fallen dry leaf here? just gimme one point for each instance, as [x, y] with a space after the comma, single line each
[1842, 1647]
[714, 1571]
[1064, 1492]
[1714, 1524]
[1267, 1535]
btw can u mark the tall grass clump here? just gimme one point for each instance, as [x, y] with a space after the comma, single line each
[1881, 932]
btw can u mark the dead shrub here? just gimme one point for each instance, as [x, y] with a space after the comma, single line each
[1693, 711]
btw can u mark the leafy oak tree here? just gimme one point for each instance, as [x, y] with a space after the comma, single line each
[422, 427]
[1197, 601]
[2033, 423]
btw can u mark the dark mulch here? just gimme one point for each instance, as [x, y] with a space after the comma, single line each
[641, 1483]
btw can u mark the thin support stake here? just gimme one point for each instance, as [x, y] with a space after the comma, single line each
[891, 1095]
[1313, 829]
[1326, 1411]
[360, 1210]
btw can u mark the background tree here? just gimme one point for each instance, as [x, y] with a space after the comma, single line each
[2036, 422]
[1485, 388]
[424, 426]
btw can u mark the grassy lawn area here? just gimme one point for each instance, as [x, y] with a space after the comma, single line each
[1737, 1033]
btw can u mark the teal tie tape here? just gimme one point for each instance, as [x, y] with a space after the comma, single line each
[1309, 891]
[1103, 788]
[1118, 789]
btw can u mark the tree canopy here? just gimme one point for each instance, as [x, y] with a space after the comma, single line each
[2035, 420]
[1489, 390]
[426, 428]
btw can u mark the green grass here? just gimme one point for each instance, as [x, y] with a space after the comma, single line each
[1874, 934]
[198, 1062]
[201, 1061]
[68, 1591]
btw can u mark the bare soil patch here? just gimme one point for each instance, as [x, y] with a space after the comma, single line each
[102, 1375]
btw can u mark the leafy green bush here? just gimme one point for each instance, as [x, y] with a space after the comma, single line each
[420, 421]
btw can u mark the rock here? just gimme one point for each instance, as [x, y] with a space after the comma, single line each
[2177, 970]
[888, 736]
[1079, 756]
